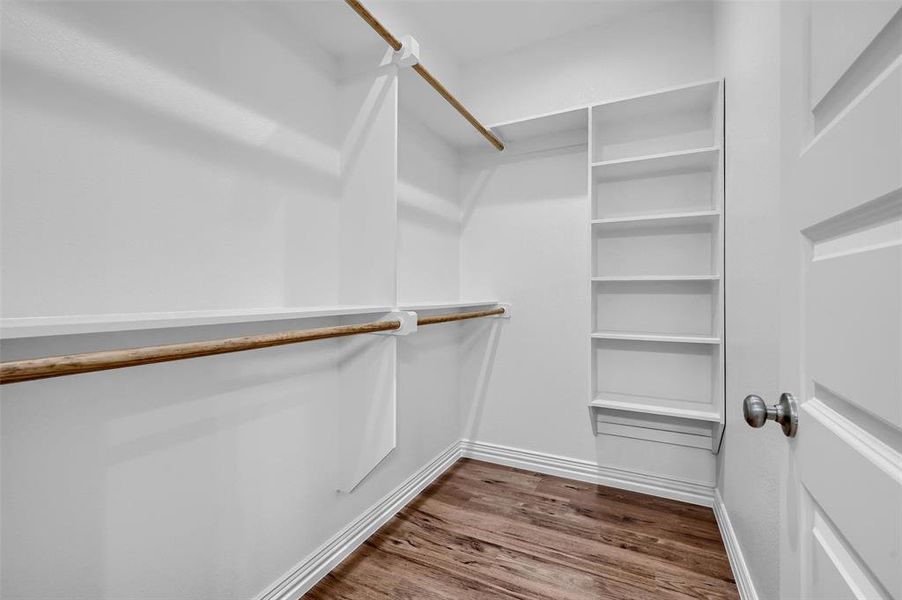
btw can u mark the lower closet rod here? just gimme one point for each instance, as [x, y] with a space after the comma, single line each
[459, 316]
[87, 362]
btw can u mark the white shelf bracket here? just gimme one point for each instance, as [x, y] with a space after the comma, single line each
[409, 54]
[408, 320]
[507, 311]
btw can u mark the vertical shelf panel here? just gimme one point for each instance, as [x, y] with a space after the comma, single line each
[368, 241]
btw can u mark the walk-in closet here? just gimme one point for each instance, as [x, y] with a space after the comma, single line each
[436, 299]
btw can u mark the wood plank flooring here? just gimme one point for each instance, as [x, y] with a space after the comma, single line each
[484, 531]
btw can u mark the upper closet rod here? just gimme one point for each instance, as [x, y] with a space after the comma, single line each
[88, 362]
[392, 41]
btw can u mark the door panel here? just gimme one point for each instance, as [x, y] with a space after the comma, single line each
[853, 162]
[850, 44]
[835, 572]
[855, 481]
[842, 313]
[860, 317]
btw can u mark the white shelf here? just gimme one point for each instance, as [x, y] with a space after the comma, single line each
[694, 96]
[639, 278]
[690, 216]
[536, 133]
[655, 337]
[28, 327]
[443, 305]
[683, 161]
[651, 406]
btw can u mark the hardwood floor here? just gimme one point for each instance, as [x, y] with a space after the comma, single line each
[491, 532]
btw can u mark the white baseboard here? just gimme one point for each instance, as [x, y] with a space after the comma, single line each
[734, 552]
[583, 470]
[296, 582]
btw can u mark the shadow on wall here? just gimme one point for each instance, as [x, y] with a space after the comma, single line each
[367, 407]
[103, 470]
[424, 208]
[358, 133]
[478, 348]
[428, 177]
[483, 168]
[85, 78]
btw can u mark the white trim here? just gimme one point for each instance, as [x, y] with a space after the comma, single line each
[737, 561]
[303, 576]
[583, 470]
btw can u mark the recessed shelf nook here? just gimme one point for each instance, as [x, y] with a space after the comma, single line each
[665, 122]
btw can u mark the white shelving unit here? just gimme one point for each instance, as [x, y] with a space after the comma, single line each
[656, 255]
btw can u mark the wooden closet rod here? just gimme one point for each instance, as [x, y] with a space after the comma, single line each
[447, 318]
[87, 362]
[395, 44]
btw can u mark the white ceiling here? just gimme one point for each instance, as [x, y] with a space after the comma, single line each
[465, 29]
[475, 28]
[468, 29]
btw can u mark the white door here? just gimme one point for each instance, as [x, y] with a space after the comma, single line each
[841, 298]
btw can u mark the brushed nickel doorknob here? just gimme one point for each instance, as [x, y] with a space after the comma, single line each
[785, 412]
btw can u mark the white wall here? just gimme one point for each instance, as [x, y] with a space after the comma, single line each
[428, 214]
[126, 151]
[750, 461]
[638, 53]
[525, 241]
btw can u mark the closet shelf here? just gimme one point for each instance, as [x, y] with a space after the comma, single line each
[442, 305]
[639, 278]
[697, 96]
[651, 406]
[655, 337]
[29, 327]
[690, 216]
[683, 161]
